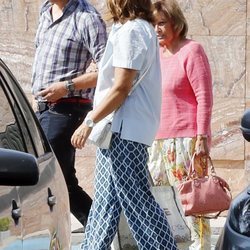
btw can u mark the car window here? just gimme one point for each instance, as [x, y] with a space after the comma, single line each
[10, 134]
[19, 128]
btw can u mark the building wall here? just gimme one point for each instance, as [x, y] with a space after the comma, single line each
[222, 27]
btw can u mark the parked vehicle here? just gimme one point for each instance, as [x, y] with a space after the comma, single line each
[34, 204]
[236, 232]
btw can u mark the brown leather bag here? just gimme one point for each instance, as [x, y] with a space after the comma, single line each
[206, 196]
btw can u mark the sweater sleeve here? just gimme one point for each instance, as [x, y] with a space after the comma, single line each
[199, 75]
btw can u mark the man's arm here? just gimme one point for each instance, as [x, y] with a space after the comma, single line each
[58, 89]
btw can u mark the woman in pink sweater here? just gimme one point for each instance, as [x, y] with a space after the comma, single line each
[186, 108]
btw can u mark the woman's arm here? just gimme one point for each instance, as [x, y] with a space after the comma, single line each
[199, 75]
[116, 96]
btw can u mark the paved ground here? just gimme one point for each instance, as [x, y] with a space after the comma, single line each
[216, 226]
[76, 238]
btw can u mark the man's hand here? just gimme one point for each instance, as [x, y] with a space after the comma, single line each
[34, 104]
[54, 92]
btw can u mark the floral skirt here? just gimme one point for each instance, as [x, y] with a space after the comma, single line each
[169, 161]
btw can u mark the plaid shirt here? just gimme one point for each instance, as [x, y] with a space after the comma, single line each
[66, 47]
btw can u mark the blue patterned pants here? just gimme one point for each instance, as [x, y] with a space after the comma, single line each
[121, 183]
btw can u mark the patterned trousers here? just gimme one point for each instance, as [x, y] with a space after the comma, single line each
[121, 182]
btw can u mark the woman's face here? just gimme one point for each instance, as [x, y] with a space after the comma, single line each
[164, 29]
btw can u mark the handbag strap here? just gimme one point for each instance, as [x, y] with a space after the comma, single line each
[139, 80]
[145, 72]
[192, 172]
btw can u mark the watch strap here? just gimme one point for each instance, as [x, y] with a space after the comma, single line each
[70, 85]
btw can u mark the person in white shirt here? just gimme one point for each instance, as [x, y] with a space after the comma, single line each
[121, 179]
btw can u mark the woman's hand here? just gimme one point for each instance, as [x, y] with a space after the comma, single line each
[201, 147]
[80, 136]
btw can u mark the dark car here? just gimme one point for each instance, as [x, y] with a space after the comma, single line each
[34, 203]
[236, 232]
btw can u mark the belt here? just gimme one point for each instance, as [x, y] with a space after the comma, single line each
[72, 100]
[42, 106]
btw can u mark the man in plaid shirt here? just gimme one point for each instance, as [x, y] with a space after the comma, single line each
[71, 34]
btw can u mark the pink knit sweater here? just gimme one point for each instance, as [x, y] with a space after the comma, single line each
[187, 97]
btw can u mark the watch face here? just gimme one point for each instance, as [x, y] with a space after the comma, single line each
[89, 122]
[71, 87]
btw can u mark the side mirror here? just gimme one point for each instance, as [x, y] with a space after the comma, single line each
[17, 168]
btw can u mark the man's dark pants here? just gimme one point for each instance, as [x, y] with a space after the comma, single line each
[59, 121]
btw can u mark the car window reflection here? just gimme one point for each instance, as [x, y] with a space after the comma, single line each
[32, 135]
[10, 134]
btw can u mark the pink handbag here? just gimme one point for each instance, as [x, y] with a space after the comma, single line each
[206, 196]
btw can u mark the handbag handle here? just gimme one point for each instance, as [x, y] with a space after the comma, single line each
[192, 174]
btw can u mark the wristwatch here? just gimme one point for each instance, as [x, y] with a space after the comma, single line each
[70, 86]
[89, 122]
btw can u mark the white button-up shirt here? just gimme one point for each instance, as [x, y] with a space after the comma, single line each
[133, 45]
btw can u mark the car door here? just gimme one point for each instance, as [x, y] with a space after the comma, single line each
[10, 230]
[39, 204]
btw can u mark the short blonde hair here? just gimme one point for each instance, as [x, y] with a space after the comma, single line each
[122, 10]
[172, 11]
